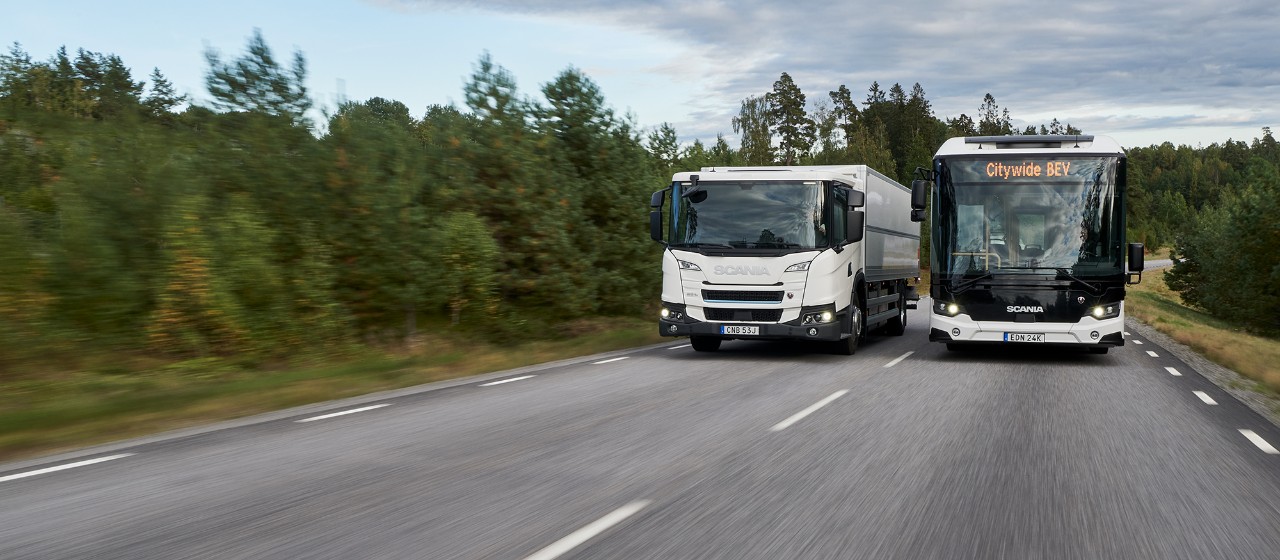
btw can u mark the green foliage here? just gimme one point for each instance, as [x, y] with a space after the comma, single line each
[255, 82]
[796, 131]
[468, 275]
[1230, 260]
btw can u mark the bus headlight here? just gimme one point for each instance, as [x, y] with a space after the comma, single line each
[1107, 311]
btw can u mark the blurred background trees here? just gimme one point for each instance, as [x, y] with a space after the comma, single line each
[134, 219]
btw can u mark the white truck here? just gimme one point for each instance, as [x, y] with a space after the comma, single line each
[820, 253]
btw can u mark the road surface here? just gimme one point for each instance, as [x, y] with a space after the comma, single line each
[760, 451]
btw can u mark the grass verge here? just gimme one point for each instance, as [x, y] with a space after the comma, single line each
[1253, 356]
[128, 397]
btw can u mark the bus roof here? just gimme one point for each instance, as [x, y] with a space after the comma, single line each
[1063, 144]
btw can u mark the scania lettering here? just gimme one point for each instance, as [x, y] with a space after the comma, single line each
[1028, 241]
[821, 253]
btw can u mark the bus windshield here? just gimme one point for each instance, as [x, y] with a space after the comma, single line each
[1017, 214]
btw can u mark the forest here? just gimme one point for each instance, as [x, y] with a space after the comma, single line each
[135, 220]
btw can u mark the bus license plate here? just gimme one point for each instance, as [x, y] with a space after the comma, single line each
[739, 329]
[1023, 337]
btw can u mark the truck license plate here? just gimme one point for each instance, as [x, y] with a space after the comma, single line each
[739, 329]
[1023, 337]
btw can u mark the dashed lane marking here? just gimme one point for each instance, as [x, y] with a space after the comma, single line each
[679, 347]
[898, 359]
[1205, 397]
[343, 413]
[64, 467]
[812, 408]
[1173, 372]
[1261, 443]
[576, 538]
[1152, 354]
[500, 382]
[610, 360]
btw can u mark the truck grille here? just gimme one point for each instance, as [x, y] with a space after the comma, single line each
[759, 315]
[740, 295]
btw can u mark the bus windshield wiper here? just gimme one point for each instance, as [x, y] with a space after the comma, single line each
[1062, 273]
[1092, 288]
[964, 286]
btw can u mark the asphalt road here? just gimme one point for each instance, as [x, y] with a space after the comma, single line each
[760, 451]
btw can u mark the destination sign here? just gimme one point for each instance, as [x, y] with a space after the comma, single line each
[1026, 169]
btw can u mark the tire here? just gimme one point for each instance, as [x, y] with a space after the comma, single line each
[898, 325]
[858, 329]
[705, 343]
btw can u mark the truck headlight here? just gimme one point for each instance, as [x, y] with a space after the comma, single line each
[818, 316]
[798, 267]
[686, 265]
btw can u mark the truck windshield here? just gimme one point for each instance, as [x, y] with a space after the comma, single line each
[750, 215]
[1016, 214]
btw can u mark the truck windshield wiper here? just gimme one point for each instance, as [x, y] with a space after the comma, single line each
[704, 245]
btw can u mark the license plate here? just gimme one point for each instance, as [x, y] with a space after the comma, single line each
[1023, 337]
[739, 329]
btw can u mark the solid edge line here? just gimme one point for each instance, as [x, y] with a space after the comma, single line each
[1261, 443]
[679, 347]
[508, 380]
[1205, 397]
[1173, 372]
[63, 467]
[899, 359]
[576, 538]
[812, 408]
[609, 360]
[343, 413]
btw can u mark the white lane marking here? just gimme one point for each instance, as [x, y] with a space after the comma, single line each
[899, 359]
[343, 413]
[1152, 354]
[576, 538]
[812, 408]
[611, 360]
[679, 347]
[1261, 443]
[492, 383]
[63, 467]
[1205, 397]
[1126, 333]
[1138, 342]
[1173, 372]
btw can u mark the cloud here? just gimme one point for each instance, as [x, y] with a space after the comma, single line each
[1215, 59]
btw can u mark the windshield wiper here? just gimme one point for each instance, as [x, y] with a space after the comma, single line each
[1095, 290]
[704, 245]
[770, 244]
[964, 286]
[1062, 272]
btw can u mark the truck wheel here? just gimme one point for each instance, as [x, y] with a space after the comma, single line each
[898, 325]
[858, 320]
[705, 343]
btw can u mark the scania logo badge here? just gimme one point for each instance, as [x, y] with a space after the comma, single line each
[790, 295]
[1080, 300]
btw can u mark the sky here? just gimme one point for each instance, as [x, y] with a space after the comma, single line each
[1144, 72]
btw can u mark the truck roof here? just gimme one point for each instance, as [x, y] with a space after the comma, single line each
[785, 173]
[1067, 144]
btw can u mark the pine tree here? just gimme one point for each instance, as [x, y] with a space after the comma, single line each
[796, 131]
[255, 82]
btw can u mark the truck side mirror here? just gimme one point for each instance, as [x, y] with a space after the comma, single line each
[1136, 262]
[919, 194]
[854, 225]
[655, 215]
[917, 215]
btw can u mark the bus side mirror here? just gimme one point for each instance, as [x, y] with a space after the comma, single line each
[1136, 262]
[854, 226]
[919, 194]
